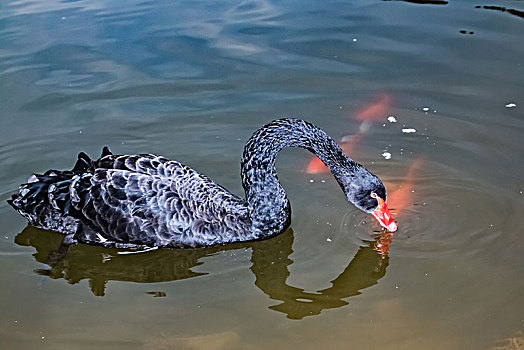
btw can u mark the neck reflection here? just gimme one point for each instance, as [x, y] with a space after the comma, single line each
[270, 266]
[270, 261]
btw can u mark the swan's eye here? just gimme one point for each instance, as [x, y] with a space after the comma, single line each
[373, 195]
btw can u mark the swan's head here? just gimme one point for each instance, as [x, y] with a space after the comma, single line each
[367, 193]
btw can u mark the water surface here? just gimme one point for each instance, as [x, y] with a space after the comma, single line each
[191, 81]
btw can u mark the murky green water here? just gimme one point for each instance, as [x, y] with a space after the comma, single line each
[192, 81]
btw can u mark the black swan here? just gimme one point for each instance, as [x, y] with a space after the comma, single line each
[147, 200]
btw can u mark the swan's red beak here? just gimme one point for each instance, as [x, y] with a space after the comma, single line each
[381, 213]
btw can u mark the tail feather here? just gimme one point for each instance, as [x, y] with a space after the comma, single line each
[52, 200]
[47, 200]
[83, 164]
[106, 152]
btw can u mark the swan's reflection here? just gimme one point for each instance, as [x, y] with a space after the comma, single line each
[270, 260]
[270, 263]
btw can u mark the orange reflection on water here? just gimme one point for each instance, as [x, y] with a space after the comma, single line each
[397, 201]
[383, 242]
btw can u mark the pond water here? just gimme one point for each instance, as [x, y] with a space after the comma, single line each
[427, 94]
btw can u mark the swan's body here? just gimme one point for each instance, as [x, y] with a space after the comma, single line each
[149, 200]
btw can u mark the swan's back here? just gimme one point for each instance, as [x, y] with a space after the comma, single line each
[134, 200]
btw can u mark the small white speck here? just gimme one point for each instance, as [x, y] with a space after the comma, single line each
[43, 337]
[106, 257]
[511, 105]
[386, 155]
[63, 17]
[426, 274]
[311, 180]
[520, 192]
[412, 191]
[339, 107]
[80, 132]
[396, 287]
[392, 119]
[408, 130]
[354, 39]
[425, 109]
[328, 239]
[323, 181]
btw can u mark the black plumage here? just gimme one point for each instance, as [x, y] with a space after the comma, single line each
[148, 200]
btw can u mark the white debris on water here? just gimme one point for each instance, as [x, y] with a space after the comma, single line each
[386, 155]
[426, 109]
[510, 105]
[408, 130]
[392, 119]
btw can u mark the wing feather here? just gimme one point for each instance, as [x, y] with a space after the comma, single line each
[151, 200]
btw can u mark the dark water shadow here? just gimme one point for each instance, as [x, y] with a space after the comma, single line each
[513, 12]
[423, 2]
[270, 261]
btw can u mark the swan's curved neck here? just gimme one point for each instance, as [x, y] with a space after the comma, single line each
[268, 204]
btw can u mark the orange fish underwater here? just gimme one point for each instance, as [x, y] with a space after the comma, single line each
[402, 197]
[365, 115]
